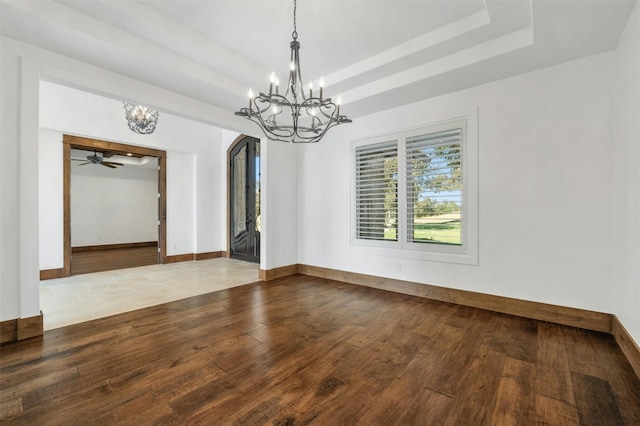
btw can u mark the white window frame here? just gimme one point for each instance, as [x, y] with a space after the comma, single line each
[467, 252]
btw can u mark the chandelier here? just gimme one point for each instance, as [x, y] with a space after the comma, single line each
[140, 118]
[293, 117]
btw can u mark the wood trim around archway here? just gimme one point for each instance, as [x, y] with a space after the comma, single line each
[76, 142]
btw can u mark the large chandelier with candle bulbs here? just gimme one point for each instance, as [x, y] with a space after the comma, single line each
[293, 116]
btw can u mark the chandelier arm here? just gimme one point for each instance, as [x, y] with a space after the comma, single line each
[320, 105]
[268, 126]
[292, 74]
[269, 133]
[299, 72]
[264, 98]
[316, 138]
[333, 112]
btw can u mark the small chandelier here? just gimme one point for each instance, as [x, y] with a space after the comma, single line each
[293, 117]
[140, 118]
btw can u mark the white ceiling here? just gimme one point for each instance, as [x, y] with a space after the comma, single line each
[375, 54]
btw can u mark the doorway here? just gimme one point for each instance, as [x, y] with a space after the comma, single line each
[244, 199]
[109, 150]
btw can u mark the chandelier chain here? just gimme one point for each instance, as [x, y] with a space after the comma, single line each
[295, 29]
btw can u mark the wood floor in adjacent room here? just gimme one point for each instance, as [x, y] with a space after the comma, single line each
[86, 262]
[303, 350]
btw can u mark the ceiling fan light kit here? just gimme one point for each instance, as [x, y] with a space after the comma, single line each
[140, 119]
[293, 117]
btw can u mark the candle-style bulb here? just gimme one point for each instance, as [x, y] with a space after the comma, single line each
[272, 77]
[321, 82]
[250, 94]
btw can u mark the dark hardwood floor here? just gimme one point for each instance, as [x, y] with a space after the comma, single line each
[302, 350]
[85, 262]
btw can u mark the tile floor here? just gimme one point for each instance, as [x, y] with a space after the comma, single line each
[71, 300]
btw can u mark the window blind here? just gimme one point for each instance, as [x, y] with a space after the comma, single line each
[434, 187]
[376, 191]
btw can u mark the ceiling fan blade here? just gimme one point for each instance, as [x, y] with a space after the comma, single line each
[108, 165]
[111, 162]
[84, 164]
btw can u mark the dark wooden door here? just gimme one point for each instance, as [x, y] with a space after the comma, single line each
[245, 200]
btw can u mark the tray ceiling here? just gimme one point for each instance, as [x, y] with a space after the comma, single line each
[375, 54]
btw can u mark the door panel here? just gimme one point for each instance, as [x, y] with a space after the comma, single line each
[245, 200]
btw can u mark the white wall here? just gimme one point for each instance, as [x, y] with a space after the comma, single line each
[113, 206]
[279, 208]
[50, 192]
[23, 68]
[279, 192]
[545, 189]
[627, 178]
[193, 186]
[182, 237]
[9, 199]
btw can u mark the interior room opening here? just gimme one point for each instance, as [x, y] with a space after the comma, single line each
[114, 210]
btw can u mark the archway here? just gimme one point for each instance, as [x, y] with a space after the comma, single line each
[243, 206]
[76, 142]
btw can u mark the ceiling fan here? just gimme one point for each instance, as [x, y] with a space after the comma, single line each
[96, 159]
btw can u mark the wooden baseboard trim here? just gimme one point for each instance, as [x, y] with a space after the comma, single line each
[179, 258]
[574, 317]
[9, 331]
[114, 246]
[627, 345]
[30, 327]
[282, 271]
[21, 328]
[50, 274]
[187, 257]
[209, 255]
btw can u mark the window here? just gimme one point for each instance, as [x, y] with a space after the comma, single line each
[376, 171]
[434, 187]
[417, 192]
